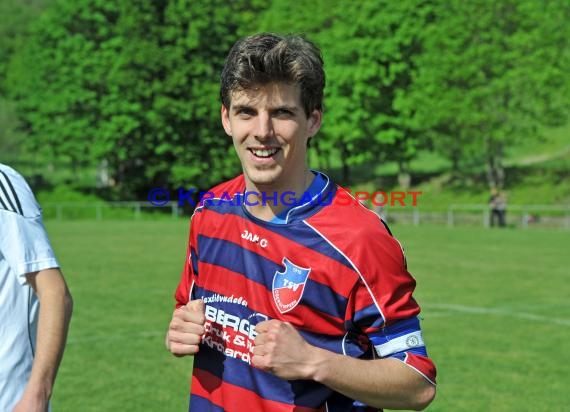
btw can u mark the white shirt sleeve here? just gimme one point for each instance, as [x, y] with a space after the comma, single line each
[24, 243]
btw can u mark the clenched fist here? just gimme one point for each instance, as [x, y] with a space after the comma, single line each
[282, 351]
[186, 328]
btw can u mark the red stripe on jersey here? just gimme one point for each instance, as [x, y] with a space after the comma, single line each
[182, 293]
[379, 260]
[235, 185]
[259, 299]
[223, 394]
[231, 228]
[424, 365]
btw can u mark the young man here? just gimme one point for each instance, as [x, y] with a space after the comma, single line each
[290, 305]
[35, 304]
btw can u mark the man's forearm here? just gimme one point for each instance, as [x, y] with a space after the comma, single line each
[382, 383]
[53, 322]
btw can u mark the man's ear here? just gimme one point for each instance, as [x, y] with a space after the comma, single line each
[315, 120]
[225, 114]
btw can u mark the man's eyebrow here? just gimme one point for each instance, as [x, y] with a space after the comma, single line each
[239, 107]
[286, 107]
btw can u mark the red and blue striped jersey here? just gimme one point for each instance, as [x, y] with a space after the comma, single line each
[333, 270]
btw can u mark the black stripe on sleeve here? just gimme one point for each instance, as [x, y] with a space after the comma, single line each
[386, 226]
[2, 203]
[15, 207]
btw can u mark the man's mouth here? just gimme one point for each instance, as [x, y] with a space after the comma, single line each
[264, 153]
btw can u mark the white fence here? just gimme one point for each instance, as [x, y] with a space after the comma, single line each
[108, 210]
[523, 216]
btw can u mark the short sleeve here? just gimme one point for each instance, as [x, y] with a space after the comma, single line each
[24, 243]
[383, 308]
[185, 287]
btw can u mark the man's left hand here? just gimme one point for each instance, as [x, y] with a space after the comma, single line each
[282, 351]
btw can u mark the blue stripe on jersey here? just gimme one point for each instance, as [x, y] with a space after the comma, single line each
[396, 330]
[419, 350]
[347, 344]
[194, 260]
[237, 259]
[316, 300]
[309, 393]
[369, 317]
[306, 236]
[324, 299]
[303, 234]
[199, 404]
[240, 260]
[267, 386]
[340, 403]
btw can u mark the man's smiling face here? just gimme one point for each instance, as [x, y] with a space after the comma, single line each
[270, 130]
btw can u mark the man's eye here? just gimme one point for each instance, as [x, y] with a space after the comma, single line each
[245, 113]
[284, 113]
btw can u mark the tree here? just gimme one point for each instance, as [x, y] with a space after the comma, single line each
[491, 74]
[132, 83]
[369, 49]
[372, 72]
[16, 17]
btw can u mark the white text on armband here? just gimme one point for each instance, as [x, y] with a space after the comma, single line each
[402, 343]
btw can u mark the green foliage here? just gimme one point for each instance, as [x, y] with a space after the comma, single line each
[491, 73]
[369, 73]
[132, 83]
[16, 18]
[368, 49]
[10, 137]
[135, 84]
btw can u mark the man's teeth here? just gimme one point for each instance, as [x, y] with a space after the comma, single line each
[264, 152]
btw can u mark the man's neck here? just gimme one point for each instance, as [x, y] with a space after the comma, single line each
[267, 201]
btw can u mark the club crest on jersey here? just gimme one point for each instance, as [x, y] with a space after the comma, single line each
[288, 286]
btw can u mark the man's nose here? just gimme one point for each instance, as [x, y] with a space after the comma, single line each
[263, 126]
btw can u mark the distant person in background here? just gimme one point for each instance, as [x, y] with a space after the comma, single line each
[494, 207]
[502, 208]
[498, 206]
[35, 303]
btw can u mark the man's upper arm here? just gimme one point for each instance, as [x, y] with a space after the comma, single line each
[24, 243]
[190, 270]
[47, 281]
[384, 309]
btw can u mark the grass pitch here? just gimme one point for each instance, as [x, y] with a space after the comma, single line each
[496, 315]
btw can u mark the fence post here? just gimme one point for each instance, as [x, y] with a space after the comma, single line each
[58, 212]
[174, 210]
[137, 210]
[486, 218]
[450, 217]
[98, 212]
[416, 217]
[525, 218]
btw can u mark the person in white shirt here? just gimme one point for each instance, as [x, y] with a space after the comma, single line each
[35, 303]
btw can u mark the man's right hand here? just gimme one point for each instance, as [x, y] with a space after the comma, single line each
[186, 328]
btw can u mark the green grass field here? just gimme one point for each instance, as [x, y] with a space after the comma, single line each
[496, 315]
